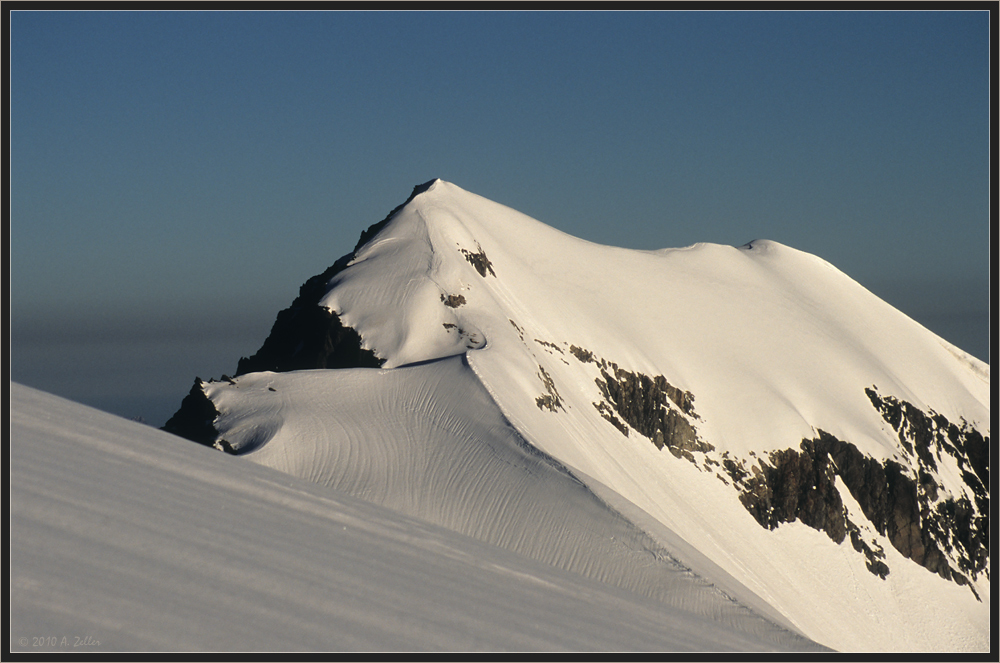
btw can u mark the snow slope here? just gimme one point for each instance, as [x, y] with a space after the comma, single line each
[513, 351]
[428, 441]
[126, 538]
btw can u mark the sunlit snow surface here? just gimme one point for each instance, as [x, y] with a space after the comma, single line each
[125, 538]
[486, 420]
[774, 344]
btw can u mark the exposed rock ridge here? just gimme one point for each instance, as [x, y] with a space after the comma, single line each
[945, 534]
[648, 404]
[309, 336]
[479, 261]
[550, 400]
[905, 502]
[954, 524]
[792, 485]
[195, 420]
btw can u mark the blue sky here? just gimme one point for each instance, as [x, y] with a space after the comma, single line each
[175, 176]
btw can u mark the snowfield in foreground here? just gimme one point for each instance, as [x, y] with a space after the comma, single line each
[125, 538]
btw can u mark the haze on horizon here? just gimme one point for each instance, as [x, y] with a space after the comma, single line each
[175, 176]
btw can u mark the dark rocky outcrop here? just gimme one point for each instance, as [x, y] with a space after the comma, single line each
[873, 553]
[648, 404]
[309, 336]
[471, 339]
[454, 301]
[550, 400]
[195, 420]
[949, 524]
[303, 337]
[549, 347]
[793, 485]
[479, 261]
[908, 507]
[520, 332]
[642, 402]
[903, 501]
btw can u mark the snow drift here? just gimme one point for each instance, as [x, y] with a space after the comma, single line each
[750, 414]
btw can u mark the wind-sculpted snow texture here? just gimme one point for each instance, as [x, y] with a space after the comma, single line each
[428, 441]
[124, 538]
[752, 406]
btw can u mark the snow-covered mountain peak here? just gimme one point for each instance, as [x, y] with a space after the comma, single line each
[744, 399]
[763, 313]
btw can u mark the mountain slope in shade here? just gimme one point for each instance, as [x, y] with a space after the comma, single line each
[753, 406]
[125, 538]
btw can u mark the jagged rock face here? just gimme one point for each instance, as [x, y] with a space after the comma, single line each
[792, 485]
[900, 503]
[453, 301]
[795, 485]
[953, 524]
[305, 337]
[641, 401]
[479, 261]
[946, 534]
[649, 405]
[195, 418]
[550, 400]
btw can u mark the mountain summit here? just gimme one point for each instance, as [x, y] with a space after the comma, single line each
[748, 415]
